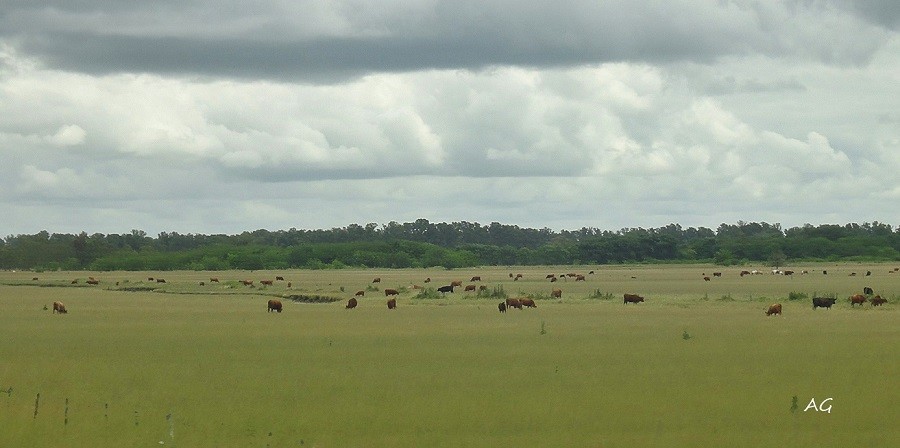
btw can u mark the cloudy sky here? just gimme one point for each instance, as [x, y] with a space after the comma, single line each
[219, 116]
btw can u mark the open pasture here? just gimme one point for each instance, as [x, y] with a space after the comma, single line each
[141, 362]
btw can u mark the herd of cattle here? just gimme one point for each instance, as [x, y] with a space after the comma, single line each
[775, 309]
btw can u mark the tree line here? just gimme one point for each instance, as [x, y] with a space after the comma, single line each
[451, 245]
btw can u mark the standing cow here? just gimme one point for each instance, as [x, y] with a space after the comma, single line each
[391, 292]
[857, 299]
[774, 309]
[274, 305]
[502, 307]
[58, 307]
[823, 302]
[632, 298]
[528, 303]
[392, 303]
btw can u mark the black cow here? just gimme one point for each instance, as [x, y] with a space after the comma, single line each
[502, 307]
[823, 302]
[868, 291]
[443, 289]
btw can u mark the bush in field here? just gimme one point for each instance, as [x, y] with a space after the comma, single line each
[495, 293]
[597, 294]
[794, 296]
[428, 293]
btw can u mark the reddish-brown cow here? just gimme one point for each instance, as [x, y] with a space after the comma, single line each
[557, 293]
[58, 307]
[274, 305]
[775, 308]
[857, 299]
[351, 303]
[392, 303]
[633, 298]
[529, 303]
[391, 292]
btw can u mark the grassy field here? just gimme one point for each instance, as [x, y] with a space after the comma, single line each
[698, 364]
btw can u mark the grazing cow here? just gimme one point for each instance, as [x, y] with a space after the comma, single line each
[824, 272]
[868, 291]
[75, 282]
[518, 276]
[274, 305]
[743, 273]
[853, 274]
[529, 303]
[247, 282]
[278, 277]
[392, 303]
[553, 279]
[550, 276]
[58, 307]
[878, 301]
[417, 287]
[149, 279]
[632, 298]
[823, 302]
[591, 272]
[456, 283]
[514, 303]
[706, 279]
[502, 307]
[774, 309]
[717, 274]
[476, 278]
[579, 278]
[857, 299]
[376, 280]
[34, 279]
[445, 289]
[788, 272]
[556, 293]
[868, 273]
[160, 280]
[93, 281]
[470, 288]
[482, 288]
[266, 282]
[510, 275]
[391, 292]
[351, 303]
[360, 293]
[201, 283]
[214, 279]
[428, 280]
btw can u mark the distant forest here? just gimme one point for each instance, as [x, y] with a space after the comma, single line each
[450, 245]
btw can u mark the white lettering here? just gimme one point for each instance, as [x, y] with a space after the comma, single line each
[821, 407]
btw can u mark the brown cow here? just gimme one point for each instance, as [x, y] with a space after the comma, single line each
[391, 292]
[160, 280]
[58, 307]
[514, 303]
[351, 303]
[214, 279]
[75, 282]
[456, 283]
[775, 308]
[579, 278]
[266, 282]
[632, 298]
[428, 280]
[553, 279]
[717, 274]
[278, 277]
[470, 288]
[518, 276]
[743, 273]
[529, 303]
[550, 276]
[274, 305]
[476, 278]
[376, 280]
[34, 279]
[557, 293]
[93, 282]
[360, 293]
[878, 301]
[857, 299]
[482, 288]
[392, 303]
[705, 279]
